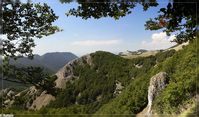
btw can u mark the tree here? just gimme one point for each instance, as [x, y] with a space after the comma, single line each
[106, 8]
[22, 23]
[30, 75]
[180, 16]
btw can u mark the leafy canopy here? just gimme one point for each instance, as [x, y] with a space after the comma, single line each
[179, 16]
[21, 23]
[106, 8]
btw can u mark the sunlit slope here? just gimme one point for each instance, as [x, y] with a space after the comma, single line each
[109, 85]
[182, 86]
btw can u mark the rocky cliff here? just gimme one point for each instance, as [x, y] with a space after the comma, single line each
[36, 99]
[66, 73]
[157, 83]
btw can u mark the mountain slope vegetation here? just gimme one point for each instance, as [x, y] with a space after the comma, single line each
[112, 85]
[50, 62]
[183, 72]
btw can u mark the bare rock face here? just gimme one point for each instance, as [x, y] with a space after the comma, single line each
[118, 88]
[31, 94]
[63, 75]
[41, 101]
[7, 97]
[37, 98]
[138, 66]
[66, 73]
[157, 83]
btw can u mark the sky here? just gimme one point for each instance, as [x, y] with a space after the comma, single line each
[81, 36]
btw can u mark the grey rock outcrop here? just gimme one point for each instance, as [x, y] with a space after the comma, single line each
[41, 101]
[157, 83]
[36, 99]
[66, 73]
[63, 75]
[7, 96]
[118, 88]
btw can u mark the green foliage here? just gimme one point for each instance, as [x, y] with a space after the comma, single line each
[183, 82]
[24, 100]
[20, 102]
[194, 110]
[30, 75]
[162, 55]
[96, 83]
[179, 16]
[181, 67]
[132, 100]
[74, 111]
[21, 22]
[99, 78]
[106, 8]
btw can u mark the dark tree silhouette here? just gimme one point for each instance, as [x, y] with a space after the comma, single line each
[180, 16]
[30, 75]
[21, 23]
[106, 8]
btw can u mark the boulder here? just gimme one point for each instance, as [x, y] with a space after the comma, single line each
[41, 101]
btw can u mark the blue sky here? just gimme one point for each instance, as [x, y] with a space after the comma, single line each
[85, 36]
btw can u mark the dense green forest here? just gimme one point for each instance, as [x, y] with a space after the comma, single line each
[94, 90]
[108, 85]
[183, 72]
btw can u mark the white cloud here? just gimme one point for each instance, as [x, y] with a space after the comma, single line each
[159, 41]
[171, 38]
[96, 42]
[3, 36]
[158, 37]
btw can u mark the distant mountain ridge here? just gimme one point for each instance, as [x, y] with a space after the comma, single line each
[103, 83]
[145, 53]
[52, 61]
[57, 60]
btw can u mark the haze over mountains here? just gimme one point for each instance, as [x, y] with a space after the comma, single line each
[52, 61]
[105, 83]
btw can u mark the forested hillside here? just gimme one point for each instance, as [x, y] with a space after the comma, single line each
[114, 85]
[50, 62]
[182, 87]
[155, 83]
